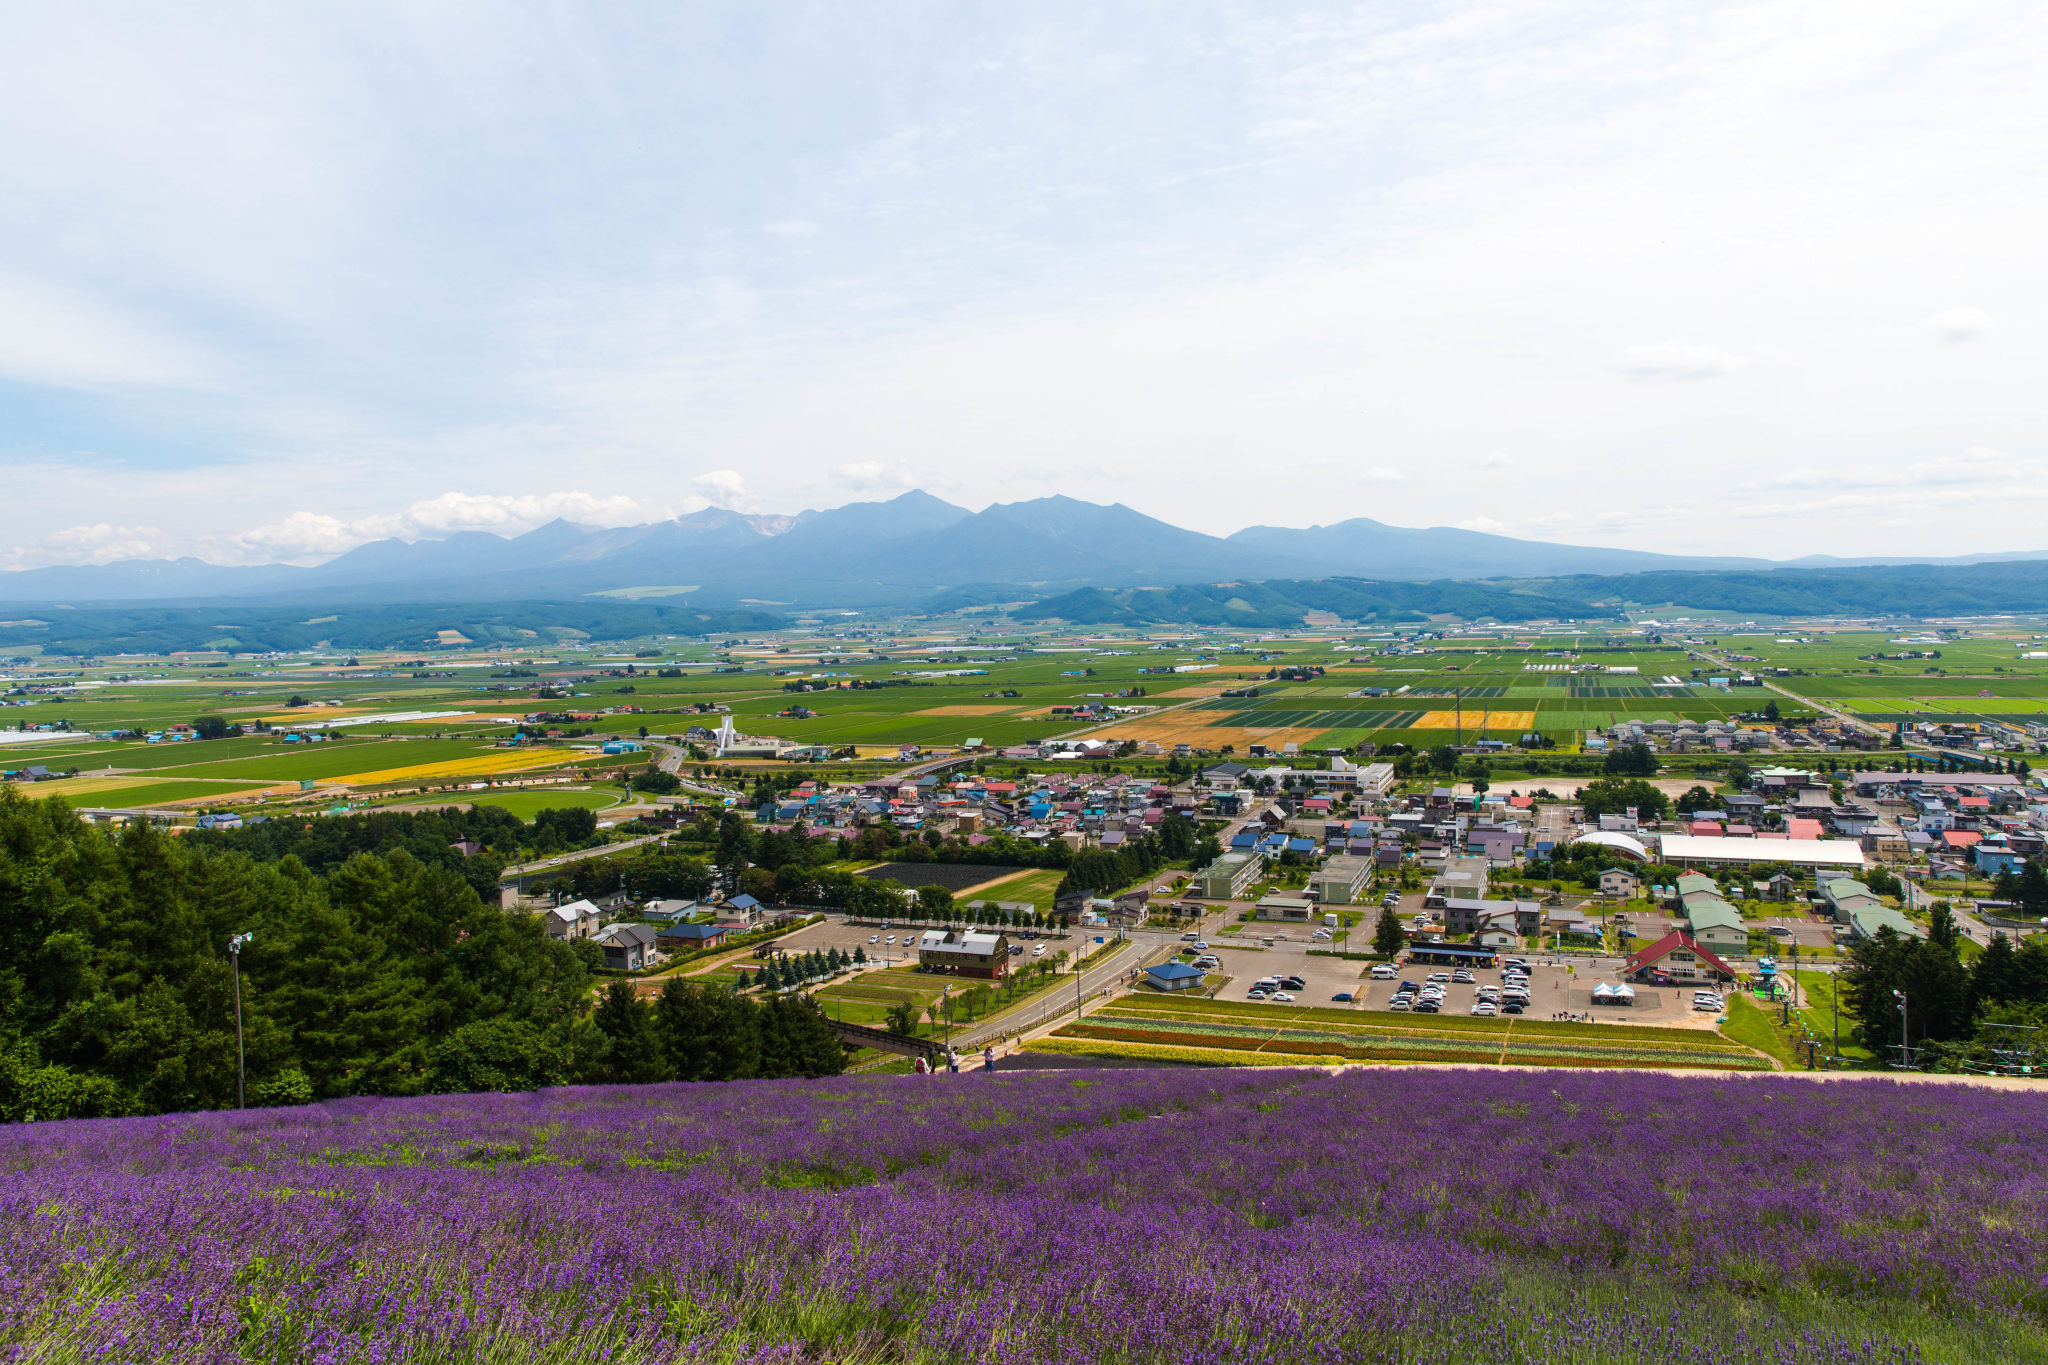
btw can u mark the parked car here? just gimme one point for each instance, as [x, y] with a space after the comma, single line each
[1399, 1002]
[1189, 938]
[1427, 1007]
[1439, 976]
[1294, 983]
[1282, 998]
[1383, 972]
[1039, 951]
[874, 938]
[1463, 977]
[1485, 1009]
[1201, 946]
[1342, 997]
[1511, 1007]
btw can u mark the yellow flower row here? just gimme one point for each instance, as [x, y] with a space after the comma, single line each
[506, 760]
[1205, 1056]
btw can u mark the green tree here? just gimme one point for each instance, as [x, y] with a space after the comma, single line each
[1388, 938]
[1612, 796]
[1936, 987]
[500, 1054]
[1697, 798]
[632, 1050]
[902, 1018]
[935, 901]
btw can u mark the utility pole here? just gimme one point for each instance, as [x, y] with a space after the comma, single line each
[235, 970]
[1905, 1047]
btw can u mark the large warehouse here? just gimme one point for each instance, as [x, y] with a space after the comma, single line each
[1812, 855]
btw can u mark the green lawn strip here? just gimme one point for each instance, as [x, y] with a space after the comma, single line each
[1700, 1052]
[1818, 1013]
[525, 805]
[1437, 1023]
[1750, 1026]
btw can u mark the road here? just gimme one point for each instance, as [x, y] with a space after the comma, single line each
[602, 850]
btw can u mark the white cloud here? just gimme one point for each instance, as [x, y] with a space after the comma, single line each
[1677, 360]
[313, 536]
[95, 544]
[796, 228]
[1486, 524]
[726, 487]
[298, 536]
[1383, 474]
[1959, 324]
[877, 476]
[1499, 459]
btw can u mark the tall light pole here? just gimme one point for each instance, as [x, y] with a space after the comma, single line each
[235, 970]
[1905, 1047]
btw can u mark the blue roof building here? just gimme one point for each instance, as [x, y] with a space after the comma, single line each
[1174, 976]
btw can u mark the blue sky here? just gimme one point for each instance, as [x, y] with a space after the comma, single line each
[1759, 278]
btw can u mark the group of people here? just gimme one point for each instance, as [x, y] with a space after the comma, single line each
[925, 1067]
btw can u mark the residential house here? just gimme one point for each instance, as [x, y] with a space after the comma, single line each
[688, 938]
[627, 947]
[577, 919]
[1619, 883]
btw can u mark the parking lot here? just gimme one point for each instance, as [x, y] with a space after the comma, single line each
[1553, 990]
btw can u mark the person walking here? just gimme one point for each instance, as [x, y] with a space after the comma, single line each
[920, 1068]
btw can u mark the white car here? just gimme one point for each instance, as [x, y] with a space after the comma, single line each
[1384, 972]
[890, 939]
[1201, 946]
[874, 938]
[1486, 1010]
[1281, 997]
[1039, 951]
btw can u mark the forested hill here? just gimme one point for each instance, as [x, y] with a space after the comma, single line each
[379, 970]
[1907, 590]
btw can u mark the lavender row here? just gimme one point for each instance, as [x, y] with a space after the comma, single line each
[1142, 1216]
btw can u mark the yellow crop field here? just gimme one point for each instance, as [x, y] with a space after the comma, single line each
[503, 761]
[1476, 720]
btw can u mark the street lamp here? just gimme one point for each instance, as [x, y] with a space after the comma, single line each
[235, 970]
[1905, 1049]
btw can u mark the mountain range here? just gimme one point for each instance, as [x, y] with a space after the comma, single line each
[910, 550]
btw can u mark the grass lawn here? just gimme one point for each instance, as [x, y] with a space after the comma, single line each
[1036, 887]
[1819, 1014]
[526, 805]
[1749, 1025]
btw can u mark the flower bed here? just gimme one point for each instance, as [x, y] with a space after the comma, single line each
[1284, 1215]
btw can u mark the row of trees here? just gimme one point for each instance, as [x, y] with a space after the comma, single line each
[1946, 1000]
[700, 1033]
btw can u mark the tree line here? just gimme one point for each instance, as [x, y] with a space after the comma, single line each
[1948, 1001]
[375, 968]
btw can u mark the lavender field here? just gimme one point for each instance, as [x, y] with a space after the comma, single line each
[1114, 1216]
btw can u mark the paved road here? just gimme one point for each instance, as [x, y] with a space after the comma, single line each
[544, 864]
